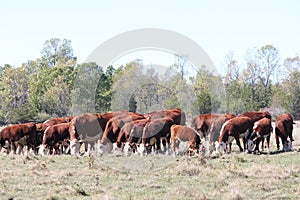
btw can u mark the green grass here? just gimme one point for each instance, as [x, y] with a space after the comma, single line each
[113, 176]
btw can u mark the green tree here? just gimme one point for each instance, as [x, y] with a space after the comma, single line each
[56, 51]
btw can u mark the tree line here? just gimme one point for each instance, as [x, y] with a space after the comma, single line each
[56, 85]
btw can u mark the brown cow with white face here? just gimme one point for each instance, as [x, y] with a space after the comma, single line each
[88, 128]
[54, 135]
[181, 133]
[234, 128]
[158, 128]
[202, 123]
[254, 116]
[284, 129]
[262, 129]
[17, 134]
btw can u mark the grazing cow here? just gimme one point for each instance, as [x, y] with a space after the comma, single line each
[176, 114]
[284, 129]
[233, 129]
[158, 128]
[113, 128]
[135, 136]
[254, 116]
[15, 134]
[181, 133]
[262, 129]
[215, 130]
[203, 122]
[126, 130]
[88, 127]
[54, 135]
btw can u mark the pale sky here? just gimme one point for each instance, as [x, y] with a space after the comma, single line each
[217, 26]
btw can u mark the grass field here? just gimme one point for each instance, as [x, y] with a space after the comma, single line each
[113, 176]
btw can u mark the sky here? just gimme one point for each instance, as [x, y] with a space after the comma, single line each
[218, 27]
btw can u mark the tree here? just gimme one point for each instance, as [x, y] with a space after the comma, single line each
[207, 92]
[56, 51]
[14, 95]
[87, 76]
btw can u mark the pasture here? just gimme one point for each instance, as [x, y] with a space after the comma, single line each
[114, 176]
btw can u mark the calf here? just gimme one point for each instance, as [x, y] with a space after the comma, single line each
[181, 133]
[262, 129]
[54, 135]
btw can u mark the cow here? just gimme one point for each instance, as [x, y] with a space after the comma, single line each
[234, 128]
[215, 129]
[262, 129]
[113, 128]
[176, 114]
[158, 128]
[88, 128]
[203, 122]
[54, 135]
[134, 139]
[181, 133]
[254, 116]
[126, 130]
[284, 129]
[17, 134]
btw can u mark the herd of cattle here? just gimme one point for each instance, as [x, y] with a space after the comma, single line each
[143, 133]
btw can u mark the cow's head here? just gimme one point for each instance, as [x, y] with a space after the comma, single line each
[287, 146]
[104, 148]
[74, 146]
[42, 150]
[127, 149]
[250, 145]
[141, 149]
[220, 147]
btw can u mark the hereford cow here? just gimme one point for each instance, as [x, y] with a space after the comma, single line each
[203, 122]
[181, 133]
[215, 130]
[126, 130]
[254, 116]
[113, 128]
[17, 134]
[88, 128]
[262, 129]
[284, 129]
[158, 128]
[233, 129]
[135, 136]
[54, 135]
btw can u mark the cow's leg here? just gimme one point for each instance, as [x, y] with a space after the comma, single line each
[268, 143]
[157, 145]
[237, 139]
[262, 144]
